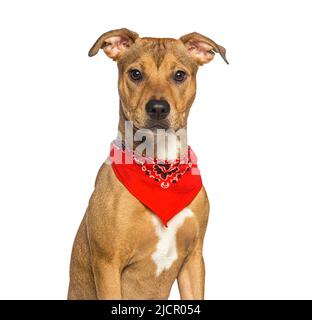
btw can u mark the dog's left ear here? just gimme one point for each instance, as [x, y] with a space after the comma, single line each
[114, 43]
[201, 48]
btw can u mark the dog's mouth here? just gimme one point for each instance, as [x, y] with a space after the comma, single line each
[157, 125]
[150, 124]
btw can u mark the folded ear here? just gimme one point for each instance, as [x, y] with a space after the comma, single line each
[114, 43]
[201, 48]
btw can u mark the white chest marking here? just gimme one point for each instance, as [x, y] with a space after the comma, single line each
[166, 248]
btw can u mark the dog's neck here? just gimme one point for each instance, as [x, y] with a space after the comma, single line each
[163, 144]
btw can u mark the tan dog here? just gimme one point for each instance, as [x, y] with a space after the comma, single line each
[122, 251]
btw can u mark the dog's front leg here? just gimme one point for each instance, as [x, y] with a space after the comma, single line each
[191, 278]
[105, 257]
[107, 280]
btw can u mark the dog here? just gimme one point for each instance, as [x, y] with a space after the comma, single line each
[122, 250]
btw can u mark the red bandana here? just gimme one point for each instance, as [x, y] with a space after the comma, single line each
[165, 187]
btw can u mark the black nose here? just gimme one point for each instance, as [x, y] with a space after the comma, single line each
[157, 109]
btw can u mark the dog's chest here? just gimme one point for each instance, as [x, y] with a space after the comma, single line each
[164, 247]
[168, 245]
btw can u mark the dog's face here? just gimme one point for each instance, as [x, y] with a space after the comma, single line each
[157, 83]
[157, 76]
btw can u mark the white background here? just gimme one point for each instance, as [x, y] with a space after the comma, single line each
[250, 127]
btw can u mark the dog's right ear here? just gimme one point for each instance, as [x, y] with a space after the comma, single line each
[114, 43]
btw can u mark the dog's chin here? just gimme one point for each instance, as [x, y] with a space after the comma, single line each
[155, 129]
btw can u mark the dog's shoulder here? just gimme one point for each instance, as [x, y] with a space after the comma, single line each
[112, 216]
[111, 202]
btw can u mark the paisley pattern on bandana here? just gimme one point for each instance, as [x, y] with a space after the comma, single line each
[166, 173]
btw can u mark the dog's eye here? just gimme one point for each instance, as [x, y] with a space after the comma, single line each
[135, 75]
[179, 76]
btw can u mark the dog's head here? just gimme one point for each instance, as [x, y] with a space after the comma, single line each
[157, 76]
